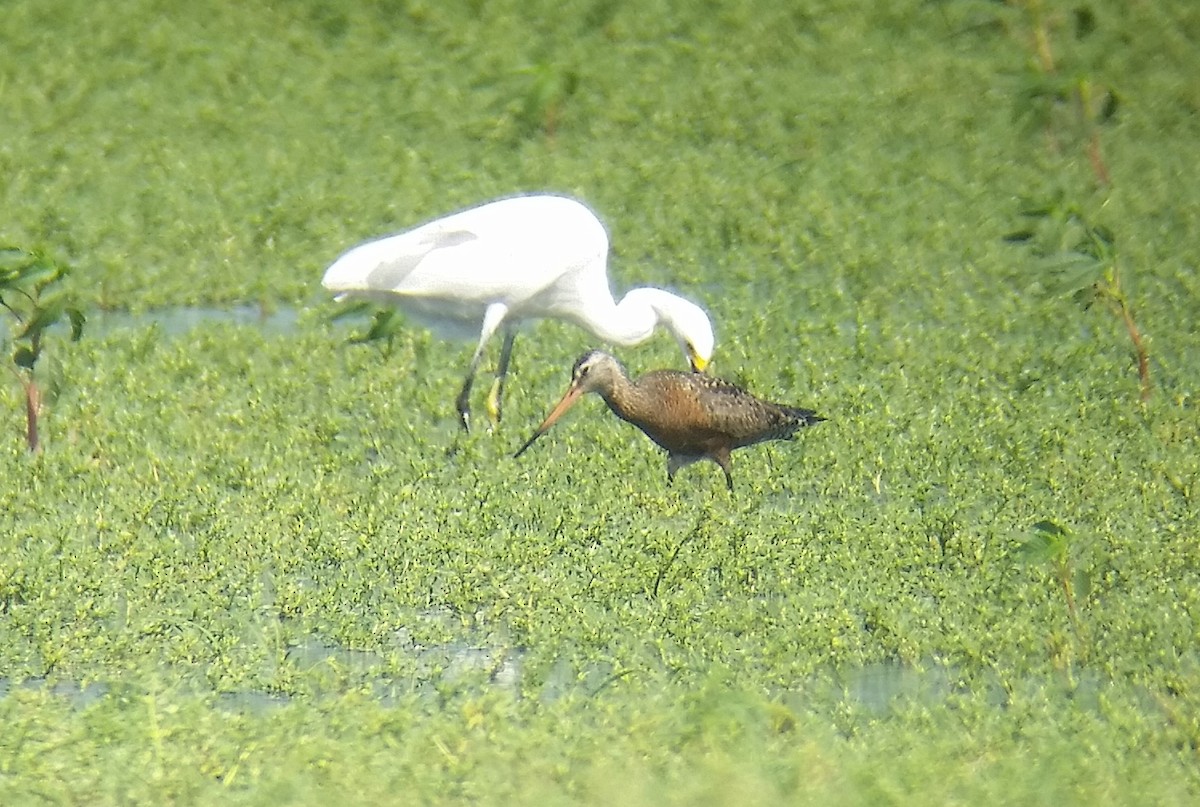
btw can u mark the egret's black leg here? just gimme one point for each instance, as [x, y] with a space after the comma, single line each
[463, 402]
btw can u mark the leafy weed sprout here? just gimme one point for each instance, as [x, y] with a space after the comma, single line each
[1079, 259]
[30, 294]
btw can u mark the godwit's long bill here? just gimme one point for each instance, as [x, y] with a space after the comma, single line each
[690, 415]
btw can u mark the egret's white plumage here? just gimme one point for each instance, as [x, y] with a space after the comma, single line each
[525, 257]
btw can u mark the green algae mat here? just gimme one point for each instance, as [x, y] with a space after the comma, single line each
[256, 561]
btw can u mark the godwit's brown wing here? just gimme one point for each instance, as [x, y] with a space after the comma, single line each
[667, 406]
[702, 412]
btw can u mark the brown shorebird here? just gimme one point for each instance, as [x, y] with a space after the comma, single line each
[691, 415]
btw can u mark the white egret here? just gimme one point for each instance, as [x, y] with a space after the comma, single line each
[524, 257]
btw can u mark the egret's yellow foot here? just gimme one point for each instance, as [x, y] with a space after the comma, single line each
[493, 401]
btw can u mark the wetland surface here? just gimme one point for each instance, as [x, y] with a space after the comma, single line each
[256, 562]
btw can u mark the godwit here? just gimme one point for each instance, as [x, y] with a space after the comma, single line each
[526, 257]
[690, 415]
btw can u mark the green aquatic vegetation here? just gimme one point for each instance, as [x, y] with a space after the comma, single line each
[1064, 99]
[385, 325]
[1062, 552]
[1079, 260]
[255, 564]
[546, 89]
[32, 299]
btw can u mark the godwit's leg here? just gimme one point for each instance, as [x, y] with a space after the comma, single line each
[491, 321]
[674, 463]
[722, 457]
[496, 395]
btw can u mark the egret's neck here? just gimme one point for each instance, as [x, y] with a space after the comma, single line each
[630, 321]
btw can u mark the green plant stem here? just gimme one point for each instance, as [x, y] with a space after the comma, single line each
[1041, 37]
[1087, 115]
[1064, 580]
[16, 314]
[1068, 589]
[1083, 94]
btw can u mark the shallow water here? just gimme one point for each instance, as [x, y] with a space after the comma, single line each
[181, 319]
[878, 690]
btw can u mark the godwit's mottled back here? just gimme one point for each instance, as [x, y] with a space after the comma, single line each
[691, 415]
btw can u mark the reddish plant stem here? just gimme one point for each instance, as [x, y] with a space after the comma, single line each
[33, 406]
[1099, 168]
[1143, 357]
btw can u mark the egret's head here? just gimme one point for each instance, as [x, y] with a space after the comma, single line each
[649, 307]
[692, 329]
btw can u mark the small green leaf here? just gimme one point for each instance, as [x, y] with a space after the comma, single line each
[1051, 527]
[12, 262]
[1071, 272]
[37, 274]
[11, 256]
[43, 317]
[1033, 210]
[1047, 541]
[25, 357]
[1103, 242]
[1081, 582]
[1036, 548]
[1019, 236]
[1109, 110]
[1085, 22]
[385, 325]
[77, 320]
